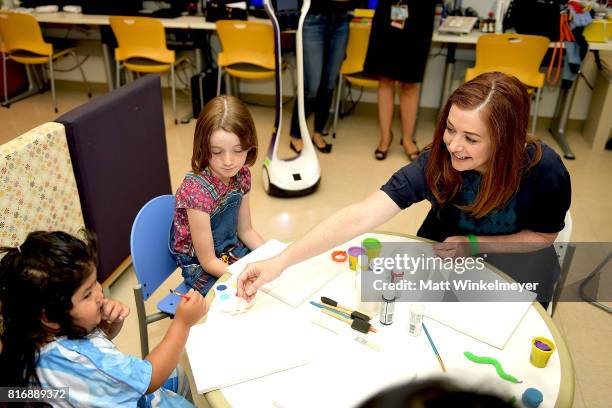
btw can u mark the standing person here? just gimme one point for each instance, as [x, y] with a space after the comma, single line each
[492, 189]
[325, 35]
[397, 52]
[212, 217]
[57, 329]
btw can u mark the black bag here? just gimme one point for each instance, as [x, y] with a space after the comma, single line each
[537, 17]
[287, 13]
[203, 89]
[217, 10]
[111, 7]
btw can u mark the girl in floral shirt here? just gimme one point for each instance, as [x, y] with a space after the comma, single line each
[212, 218]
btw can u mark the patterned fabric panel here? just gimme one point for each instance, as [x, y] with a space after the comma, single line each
[38, 190]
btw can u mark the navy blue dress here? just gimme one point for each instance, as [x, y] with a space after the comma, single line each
[400, 54]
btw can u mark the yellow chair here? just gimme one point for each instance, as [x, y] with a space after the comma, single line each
[519, 55]
[351, 70]
[142, 48]
[22, 42]
[248, 50]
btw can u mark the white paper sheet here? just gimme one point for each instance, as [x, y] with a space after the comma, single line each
[257, 343]
[490, 322]
[297, 283]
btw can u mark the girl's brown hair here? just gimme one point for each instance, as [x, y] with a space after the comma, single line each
[231, 115]
[503, 103]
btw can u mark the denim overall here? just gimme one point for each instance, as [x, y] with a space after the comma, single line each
[228, 248]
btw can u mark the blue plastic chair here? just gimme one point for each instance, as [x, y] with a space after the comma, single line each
[153, 262]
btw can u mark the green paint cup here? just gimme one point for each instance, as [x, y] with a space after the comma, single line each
[372, 247]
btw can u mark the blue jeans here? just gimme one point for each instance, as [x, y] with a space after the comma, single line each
[175, 392]
[324, 39]
[195, 276]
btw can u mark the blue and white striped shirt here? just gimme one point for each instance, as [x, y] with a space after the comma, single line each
[99, 375]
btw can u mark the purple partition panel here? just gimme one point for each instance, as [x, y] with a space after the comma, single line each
[117, 145]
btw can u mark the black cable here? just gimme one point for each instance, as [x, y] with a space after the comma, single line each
[74, 67]
[581, 75]
[595, 272]
[69, 31]
[350, 110]
[439, 53]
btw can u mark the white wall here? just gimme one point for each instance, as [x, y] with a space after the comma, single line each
[482, 7]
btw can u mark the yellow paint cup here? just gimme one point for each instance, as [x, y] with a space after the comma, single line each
[541, 350]
[353, 257]
[372, 247]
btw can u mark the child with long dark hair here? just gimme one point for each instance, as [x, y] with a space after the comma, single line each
[57, 326]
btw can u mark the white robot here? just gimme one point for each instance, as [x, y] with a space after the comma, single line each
[298, 175]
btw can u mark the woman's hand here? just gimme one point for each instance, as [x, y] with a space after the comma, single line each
[453, 247]
[257, 274]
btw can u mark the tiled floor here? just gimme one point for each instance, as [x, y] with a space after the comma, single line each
[349, 173]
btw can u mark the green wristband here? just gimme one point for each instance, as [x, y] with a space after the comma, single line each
[474, 247]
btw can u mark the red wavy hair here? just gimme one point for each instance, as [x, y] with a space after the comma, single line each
[503, 103]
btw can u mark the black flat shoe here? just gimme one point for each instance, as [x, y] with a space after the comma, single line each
[293, 148]
[325, 149]
[382, 154]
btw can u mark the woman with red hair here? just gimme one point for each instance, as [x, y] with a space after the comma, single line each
[492, 188]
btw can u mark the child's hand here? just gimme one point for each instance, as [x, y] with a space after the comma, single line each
[191, 310]
[114, 311]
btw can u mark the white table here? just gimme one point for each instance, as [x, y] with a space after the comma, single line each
[184, 22]
[402, 357]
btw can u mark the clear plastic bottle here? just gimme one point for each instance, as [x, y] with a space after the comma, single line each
[491, 21]
[396, 278]
[387, 307]
[438, 16]
[484, 25]
[415, 324]
[369, 308]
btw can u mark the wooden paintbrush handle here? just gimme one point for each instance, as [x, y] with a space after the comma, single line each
[337, 316]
